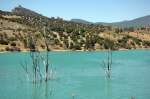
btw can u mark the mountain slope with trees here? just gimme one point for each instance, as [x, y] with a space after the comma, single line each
[20, 24]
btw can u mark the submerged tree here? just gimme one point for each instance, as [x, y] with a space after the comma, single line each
[39, 60]
[34, 71]
[108, 63]
[45, 37]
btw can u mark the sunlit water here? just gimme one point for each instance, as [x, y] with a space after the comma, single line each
[79, 75]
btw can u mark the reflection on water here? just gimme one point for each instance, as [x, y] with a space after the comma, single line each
[108, 88]
[42, 90]
[46, 90]
[79, 76]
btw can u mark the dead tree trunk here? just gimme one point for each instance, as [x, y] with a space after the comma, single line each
[36, 58]
[47, 55]
[47, 63]
[108, 63]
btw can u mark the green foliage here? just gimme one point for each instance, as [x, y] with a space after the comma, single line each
[12, 39]
[43, 46]
[12, 49]
[7, 49]
[129, 29]
[56, 41]
[136, 40]
[146, 43]
[4, 42]
[77, 46]
[108, 44]
[25, 43]
[13, 44]
[118, 30]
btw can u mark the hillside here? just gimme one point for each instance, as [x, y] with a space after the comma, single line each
[18, 26]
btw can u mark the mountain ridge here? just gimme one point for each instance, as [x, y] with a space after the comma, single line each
[137, 22]
[141, 21]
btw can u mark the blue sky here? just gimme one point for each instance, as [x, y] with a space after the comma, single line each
[90, 10]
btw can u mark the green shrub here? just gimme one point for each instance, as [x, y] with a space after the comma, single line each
[128, 46]
[12, 49]
[13, 44]
[1, 50]
[12, 39]
[77, 47]
[146, 43]
[4, 42]
[7, 49]
[108, 44]
[43, 46]
[136, 40]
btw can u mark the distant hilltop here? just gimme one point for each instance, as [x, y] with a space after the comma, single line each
[24, 11]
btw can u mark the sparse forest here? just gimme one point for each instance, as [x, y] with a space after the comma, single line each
[66, 35]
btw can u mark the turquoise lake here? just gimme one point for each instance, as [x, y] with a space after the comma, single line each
[79, 75]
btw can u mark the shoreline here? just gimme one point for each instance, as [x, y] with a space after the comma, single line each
[24, 51]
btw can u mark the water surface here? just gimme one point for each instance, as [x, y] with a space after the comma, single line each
[79, 74]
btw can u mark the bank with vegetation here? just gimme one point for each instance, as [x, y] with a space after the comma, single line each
[18, 25]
